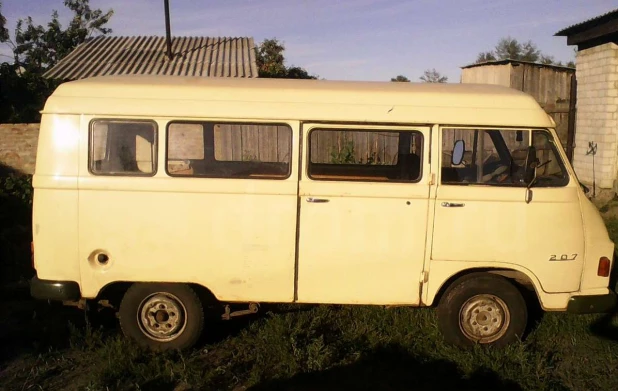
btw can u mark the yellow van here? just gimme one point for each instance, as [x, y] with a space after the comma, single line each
[165, 196]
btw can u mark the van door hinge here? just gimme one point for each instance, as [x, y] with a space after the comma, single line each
[432, 179]
[424, 277]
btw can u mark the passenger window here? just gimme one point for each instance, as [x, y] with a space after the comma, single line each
[489, 156]
[185, 142]
[123, 147]
[365, 155]
[229, 150]
[550, 170]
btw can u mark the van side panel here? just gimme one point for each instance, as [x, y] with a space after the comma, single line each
[235, 237]
[54, 218]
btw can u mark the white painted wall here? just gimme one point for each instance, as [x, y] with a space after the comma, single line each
[597, 114]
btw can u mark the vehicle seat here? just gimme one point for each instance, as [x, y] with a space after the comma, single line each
[410, 164]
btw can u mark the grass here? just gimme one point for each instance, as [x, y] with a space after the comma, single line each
[52, 347]
[323, 347]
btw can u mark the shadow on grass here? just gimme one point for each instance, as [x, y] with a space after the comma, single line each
[35, 326]
[605, 328]
[391, 368]
[217, 330]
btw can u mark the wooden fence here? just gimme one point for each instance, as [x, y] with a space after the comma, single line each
[358, 146]
[553, 87]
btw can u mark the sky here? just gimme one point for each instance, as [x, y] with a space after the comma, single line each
[354, 39]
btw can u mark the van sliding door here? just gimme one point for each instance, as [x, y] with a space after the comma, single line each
[364, 194]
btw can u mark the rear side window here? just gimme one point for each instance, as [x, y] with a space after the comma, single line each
[365, 155]
[229, 150]
[121, 147]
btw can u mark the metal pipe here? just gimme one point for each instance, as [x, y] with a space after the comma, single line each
[168, 38]
[571, 118]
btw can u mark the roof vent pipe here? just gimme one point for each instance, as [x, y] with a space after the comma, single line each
[168, 37]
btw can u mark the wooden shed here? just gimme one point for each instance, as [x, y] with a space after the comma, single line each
[551, 85]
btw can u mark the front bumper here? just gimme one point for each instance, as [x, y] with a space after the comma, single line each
[54, 290]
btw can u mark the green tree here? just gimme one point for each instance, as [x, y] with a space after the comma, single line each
[269, 58]
[485, 57]
[511, 48]
[4, 33]
[400, 78]
[433, 76]
[530, 52]
[271, 62]
[508, 48]
[36, 49]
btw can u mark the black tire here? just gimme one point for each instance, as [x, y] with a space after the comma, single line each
[162, 316]
[497, 318]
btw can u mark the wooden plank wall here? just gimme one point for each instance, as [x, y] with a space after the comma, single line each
[551, 87]
[264, 143]
[377, 147]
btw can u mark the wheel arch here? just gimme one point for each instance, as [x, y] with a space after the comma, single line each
[528, 285]
[114, 291]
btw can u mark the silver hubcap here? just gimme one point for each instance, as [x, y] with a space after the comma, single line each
[484, 318]
[162, 316]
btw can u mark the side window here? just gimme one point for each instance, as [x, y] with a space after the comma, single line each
[185, 143]
[490, 156]
[121, 147]
[365, 155]
[229, 150]
[550, 170]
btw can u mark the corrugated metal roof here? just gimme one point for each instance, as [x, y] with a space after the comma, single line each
[146, 55]
[509, 61]
[588, 23]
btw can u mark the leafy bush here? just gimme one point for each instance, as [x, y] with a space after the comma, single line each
[18, 186]
[15, 226]
[344, 155]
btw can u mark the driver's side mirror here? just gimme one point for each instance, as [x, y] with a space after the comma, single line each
[458, 152]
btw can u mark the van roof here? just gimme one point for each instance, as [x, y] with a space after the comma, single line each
[359, 101]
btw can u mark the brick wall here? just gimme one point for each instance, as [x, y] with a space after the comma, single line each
[18, 144]
[597, 114]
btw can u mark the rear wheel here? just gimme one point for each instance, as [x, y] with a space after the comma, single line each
[482, 308]
[162, 316]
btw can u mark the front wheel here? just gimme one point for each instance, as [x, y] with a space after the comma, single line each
[482, 308]
[162, 316]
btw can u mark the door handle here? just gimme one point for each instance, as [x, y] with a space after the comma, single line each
[453, 205]
[317, 200]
